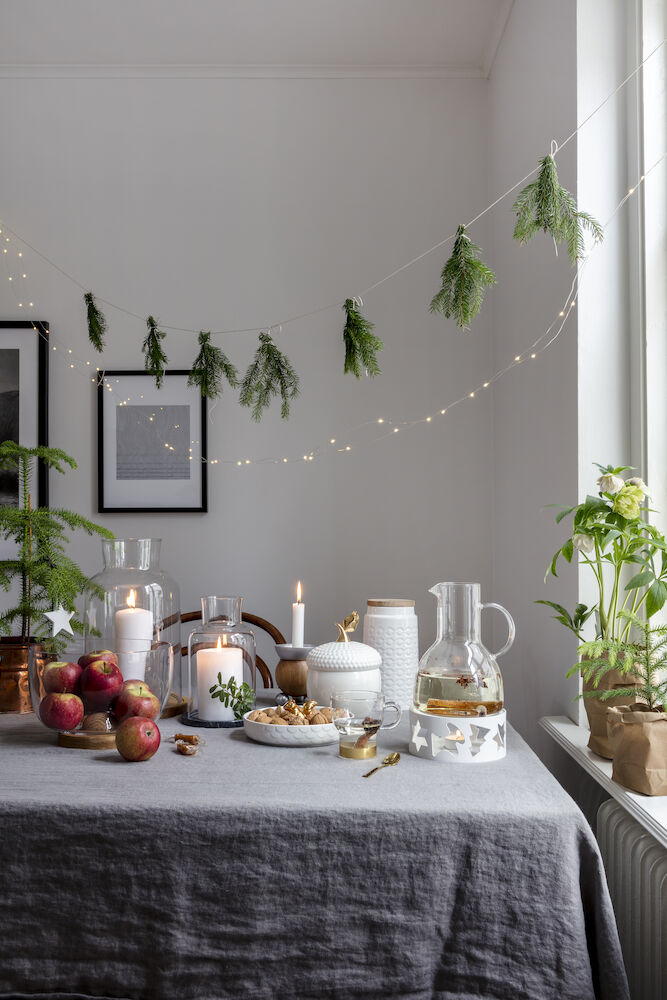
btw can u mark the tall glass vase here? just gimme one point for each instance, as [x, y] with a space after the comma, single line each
[139, 607]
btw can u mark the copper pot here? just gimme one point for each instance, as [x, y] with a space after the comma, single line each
[14, 686]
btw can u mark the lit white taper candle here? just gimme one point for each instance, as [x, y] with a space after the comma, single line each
[298, 612]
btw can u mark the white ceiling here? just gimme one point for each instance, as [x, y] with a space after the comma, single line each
[418, 37]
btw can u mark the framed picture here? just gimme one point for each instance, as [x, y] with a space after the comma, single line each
[151, 444]
[24, 400]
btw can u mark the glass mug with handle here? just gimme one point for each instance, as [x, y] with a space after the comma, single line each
[358, 716]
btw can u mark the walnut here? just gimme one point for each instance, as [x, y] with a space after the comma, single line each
[327, 713]
[255, 716]
[276, 721]
[317, 719]
[297, 721]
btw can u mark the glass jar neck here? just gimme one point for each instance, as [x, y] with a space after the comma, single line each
[459, 611]
[132, 553]
[221, 610]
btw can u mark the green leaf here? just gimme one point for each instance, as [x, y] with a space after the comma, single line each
[656, 597]
[568, 550]
[564, 513]
[640, 580]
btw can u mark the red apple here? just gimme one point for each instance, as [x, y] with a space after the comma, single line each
[61, 711]
[60, 677]
[100, 683]
[136, 698]
[137, 738]
[97, 654]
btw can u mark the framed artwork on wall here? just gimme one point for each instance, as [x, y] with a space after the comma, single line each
[24, 400]
[151, 451]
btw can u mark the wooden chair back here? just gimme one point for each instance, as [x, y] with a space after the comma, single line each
[256, 622]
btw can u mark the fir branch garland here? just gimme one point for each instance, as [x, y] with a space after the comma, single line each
[465, 278]
[546, 205]
[361, 344]
[97, 324]
[156, 359]
[210, 367]
[270, 373]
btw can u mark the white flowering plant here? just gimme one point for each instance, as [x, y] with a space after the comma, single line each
[612, 535]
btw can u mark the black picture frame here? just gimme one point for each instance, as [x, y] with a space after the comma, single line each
[33, 379]
[113, 383]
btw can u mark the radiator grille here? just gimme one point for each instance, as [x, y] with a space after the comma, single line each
[636, 867]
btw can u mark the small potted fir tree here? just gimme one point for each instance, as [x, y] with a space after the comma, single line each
[638, 731]
[40, 575]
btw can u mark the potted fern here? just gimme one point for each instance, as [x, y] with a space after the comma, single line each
[637, 732]
[627, 557]
[39, 573]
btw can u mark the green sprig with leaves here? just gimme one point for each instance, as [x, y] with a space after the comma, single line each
[545, 205]
[644, 660]
[361, 344]
[465, 278]
[47, 577]
[269, 374]
[240, 698]
[156, 360]
[210, 367]
[97, 324]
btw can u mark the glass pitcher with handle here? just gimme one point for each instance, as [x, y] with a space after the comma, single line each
[457, 675]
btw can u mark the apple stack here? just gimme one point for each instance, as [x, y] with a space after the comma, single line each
[91, 695]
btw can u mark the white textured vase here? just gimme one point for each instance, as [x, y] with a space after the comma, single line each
[390, 626]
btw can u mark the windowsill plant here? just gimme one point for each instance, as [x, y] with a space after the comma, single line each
[628, 559]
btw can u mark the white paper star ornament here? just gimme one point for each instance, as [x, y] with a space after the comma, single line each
[60, 620]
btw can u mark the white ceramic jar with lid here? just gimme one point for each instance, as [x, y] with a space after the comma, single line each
[390, 626]
[343, 665]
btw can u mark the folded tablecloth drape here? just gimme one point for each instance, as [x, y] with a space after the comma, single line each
[257, 872]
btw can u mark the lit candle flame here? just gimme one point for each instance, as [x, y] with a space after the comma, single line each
[224, 640]
[131, 599]
[298, 592]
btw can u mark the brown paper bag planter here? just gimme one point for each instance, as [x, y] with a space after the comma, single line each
[596, 709]
[638, 737]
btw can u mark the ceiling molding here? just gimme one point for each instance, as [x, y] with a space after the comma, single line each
[244, 72]
[502, 18]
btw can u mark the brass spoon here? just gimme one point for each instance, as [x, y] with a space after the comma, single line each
[391, 758]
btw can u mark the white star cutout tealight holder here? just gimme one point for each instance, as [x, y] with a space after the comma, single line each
[458, 739]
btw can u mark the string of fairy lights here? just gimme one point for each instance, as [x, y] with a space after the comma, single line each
[384, 426]
[18, 281]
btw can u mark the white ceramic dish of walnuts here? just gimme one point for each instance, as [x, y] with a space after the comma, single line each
[283, 734]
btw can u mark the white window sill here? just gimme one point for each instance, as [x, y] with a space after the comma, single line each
[649, 810]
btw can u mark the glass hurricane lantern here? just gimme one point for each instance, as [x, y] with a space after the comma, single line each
[140, 608]
[220, 648]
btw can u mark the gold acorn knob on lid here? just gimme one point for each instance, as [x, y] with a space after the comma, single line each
[349, 625]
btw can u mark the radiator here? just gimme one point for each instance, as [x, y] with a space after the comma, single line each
[636, 867]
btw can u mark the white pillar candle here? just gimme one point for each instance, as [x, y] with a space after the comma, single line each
[298, 614]
[134, 634]
[226, 661]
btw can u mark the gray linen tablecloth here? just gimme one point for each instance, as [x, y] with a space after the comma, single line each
[257, 872]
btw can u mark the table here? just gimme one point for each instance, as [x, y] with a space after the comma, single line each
[258, 872]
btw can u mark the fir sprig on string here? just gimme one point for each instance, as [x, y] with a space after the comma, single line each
[155, 358]
[361, 344]
[465, 278]
[545, 205]
[210, 367]
[270, 374]
[97, 324]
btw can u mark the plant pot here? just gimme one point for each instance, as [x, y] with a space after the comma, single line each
[14, 684]
[639, 741]
[596, 709]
